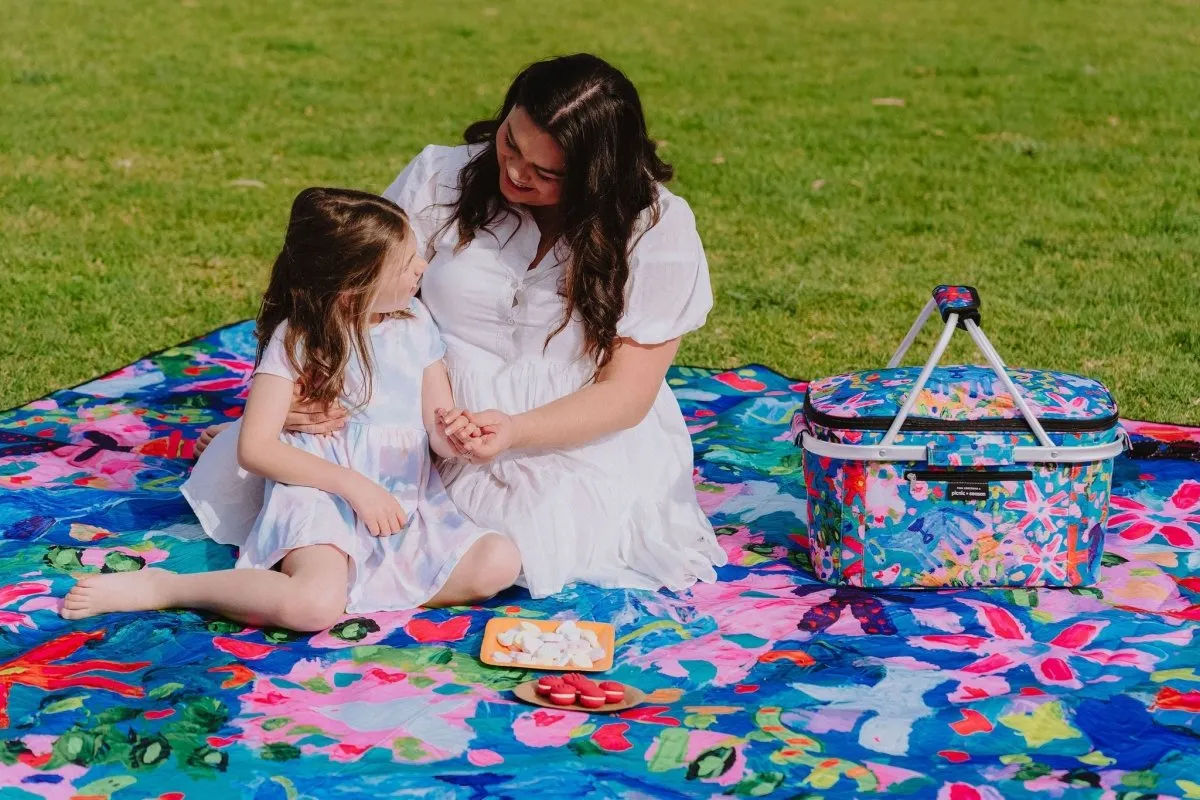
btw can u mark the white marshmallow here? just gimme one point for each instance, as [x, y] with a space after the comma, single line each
[581, 660]
[529, 627]
[500, 657]
[548, 653]
[506, 637]
[590, 637]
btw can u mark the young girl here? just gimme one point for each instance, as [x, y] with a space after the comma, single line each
[357, 520]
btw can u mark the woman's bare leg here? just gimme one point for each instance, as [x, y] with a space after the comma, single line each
[490, 566]
[308, 594]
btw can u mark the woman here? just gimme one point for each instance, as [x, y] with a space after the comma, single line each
[562, 275]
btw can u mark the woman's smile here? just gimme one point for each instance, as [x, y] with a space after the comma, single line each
[531, 162]
[515, 184]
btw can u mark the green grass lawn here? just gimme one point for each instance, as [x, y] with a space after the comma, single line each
[1048, 152]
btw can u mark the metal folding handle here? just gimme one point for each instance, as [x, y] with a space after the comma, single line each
[969, 322]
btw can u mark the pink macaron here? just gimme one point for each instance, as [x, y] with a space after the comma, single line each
[591, 696]
[613, 692]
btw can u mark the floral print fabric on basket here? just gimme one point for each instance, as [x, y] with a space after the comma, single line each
[968, 513]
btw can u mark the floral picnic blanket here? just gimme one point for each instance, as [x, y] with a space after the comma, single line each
[767, 683]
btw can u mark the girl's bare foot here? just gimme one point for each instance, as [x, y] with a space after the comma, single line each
[209, 434]
[144, 590]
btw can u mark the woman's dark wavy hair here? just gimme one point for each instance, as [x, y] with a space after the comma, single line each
[594, 114]
[323, 282]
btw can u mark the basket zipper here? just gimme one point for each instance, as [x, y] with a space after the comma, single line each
[973, 425]
[989, 476]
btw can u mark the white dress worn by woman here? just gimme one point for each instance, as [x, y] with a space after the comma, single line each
[621, 511]
[385, 440]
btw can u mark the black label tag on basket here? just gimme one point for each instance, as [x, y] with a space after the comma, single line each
[967, 491]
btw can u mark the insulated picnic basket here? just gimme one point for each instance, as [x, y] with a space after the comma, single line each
[958, 475]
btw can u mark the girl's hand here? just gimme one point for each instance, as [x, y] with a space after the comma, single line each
[458, 428]
[461, 439]
[305, 417]
[376, 507]
[497, 435]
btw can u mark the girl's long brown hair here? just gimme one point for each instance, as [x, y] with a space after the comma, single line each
[323, 282]
[594, 114]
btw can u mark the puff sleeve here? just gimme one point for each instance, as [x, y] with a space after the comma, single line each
[426, 189]
[668, 293]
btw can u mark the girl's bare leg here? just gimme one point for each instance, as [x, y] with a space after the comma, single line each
[489, 567]
[308, 594]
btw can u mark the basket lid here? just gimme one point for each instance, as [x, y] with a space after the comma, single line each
[960, 394]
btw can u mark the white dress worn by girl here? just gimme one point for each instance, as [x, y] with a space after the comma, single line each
[621, 511]
[386, 441]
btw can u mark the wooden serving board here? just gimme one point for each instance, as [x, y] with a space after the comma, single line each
[527, 692]
[605, 634]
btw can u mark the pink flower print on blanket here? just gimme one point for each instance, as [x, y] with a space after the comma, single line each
[110, 427]
[753, 614]
[761, 608]
[13, 618]
[23, 772]
[217, 374]
[1144, 585]
[122, 559]
[712, 495]
[348, 709]
[547, 727]
[362, 630]
[76, 465]
[1176, 518]
[746, 549]
[1064, 660]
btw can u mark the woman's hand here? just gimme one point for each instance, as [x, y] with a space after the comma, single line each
[620, 398]
[305, 417]
[208, 435]
[376, 507]
[496, 433]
